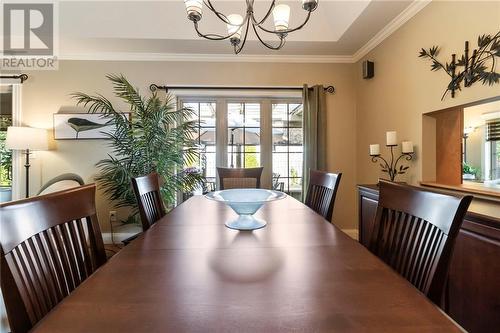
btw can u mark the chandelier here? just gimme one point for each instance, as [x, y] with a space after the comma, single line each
[238, 26]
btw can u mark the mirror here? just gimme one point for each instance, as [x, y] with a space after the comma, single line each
[481, 145]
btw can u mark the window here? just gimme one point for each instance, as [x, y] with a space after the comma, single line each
[205, 136]
[493, 139]
[6, 111]
[243, 132]
[287, 147]
[251, 132]
[495, 159]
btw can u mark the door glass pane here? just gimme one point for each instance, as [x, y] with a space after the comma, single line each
[295, 164]
[287, 147]
[280, 137]
[280, 116]
[295, 186]
[296, 136]
[195, 108]
[207, 115]
[280, 164]
[243, 135]
[295, 115]
[205, 136]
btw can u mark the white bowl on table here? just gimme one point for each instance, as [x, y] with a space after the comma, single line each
[245, 202]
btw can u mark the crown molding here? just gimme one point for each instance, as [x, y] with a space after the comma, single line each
[410, 11]
[131, 56]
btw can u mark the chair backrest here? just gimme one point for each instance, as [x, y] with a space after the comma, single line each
[321, 192]
[147, 193]
[414, 233]
[49, 245]
[239, 177]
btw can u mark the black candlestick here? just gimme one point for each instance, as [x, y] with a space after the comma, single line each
[392, 168]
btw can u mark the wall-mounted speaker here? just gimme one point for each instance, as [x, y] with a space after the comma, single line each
[368, 69]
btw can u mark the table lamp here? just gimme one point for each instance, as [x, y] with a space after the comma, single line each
[26, 139]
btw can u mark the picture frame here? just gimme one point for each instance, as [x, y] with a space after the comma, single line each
[82, 126]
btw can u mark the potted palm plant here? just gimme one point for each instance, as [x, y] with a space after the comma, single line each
[152, 135]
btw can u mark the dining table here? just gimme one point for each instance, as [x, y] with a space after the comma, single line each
[300, 273]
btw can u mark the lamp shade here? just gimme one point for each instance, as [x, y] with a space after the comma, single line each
[468, 130]
[281, 14]
[235, 26]
[22, 138]
[194, 9]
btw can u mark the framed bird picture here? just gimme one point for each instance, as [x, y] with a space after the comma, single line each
[83, 126]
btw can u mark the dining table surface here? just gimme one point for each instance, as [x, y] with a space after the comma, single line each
[190, 273]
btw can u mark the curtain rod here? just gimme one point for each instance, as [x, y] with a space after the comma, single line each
[153, 87]
[22, 77]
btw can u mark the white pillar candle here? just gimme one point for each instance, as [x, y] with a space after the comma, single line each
[374, 149]
[392, 138]
[407, 147]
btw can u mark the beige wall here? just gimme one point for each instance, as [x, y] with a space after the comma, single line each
[404, 87]
[47, 92]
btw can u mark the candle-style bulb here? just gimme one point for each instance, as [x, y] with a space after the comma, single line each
[407, 147]
[234, 28]
[391, 138]
[374, 150]
[281, 14]
[194, 9]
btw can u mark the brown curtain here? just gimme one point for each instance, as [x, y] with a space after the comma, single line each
[314, 116]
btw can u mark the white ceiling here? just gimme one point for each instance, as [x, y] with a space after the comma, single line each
[155, 30]
[167, 19]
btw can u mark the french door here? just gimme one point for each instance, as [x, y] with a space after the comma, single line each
[250, 132]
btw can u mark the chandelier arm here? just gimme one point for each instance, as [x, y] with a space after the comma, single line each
[210, 36]
[238, 49]
[265, 16]
[288, 30]
[269, 46]
[217, 36]
[221, 16]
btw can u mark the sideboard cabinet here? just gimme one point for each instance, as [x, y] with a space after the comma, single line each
[473, 294]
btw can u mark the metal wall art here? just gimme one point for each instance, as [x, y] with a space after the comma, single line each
[471, 67]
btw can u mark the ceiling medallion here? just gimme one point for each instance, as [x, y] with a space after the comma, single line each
[238, 25]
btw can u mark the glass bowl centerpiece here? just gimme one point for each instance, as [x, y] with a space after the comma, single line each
[245, 202]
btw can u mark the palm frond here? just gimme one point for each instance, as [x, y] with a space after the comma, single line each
[157, 137]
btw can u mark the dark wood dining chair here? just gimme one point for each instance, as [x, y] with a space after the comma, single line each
[147, 192]
[321, 192]
[49, 245]
[239, 177]
[414, 232]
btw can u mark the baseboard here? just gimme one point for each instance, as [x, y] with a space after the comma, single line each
[353, 233]
[118, 237]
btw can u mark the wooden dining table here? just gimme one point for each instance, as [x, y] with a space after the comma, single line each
[189, 273]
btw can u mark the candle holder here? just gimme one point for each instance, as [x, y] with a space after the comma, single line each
[392, 168]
